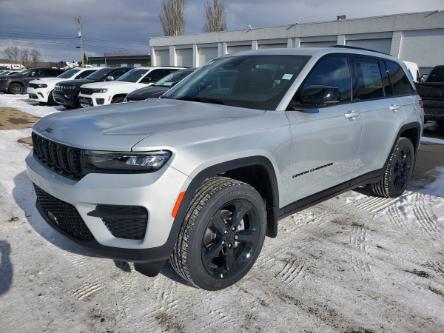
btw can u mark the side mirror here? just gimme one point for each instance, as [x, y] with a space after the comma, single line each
[110, 78]
[318, 96]
[423, 78]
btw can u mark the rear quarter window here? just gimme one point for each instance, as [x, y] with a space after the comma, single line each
[400, 83]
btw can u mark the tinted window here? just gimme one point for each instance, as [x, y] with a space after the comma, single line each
[100, 74]
[85, 74]
[332, 71]
[156, 75]
[436, 75]
[368, 79]
[67, 74]
[173, 78]
[257, 82]
[118, 72]
[133, 75]
[400, 83]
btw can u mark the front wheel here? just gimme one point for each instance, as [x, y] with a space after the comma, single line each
[397, 171]
[222, 234]
[16, 89]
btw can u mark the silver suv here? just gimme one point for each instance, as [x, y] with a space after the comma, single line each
[203, 174]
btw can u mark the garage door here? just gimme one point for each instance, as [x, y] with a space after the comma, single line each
[206, 54]
[380, 45]
[318, 44]
[162, 57]
[272, 46]
[184, 57]
[423, 47]
[238, 48]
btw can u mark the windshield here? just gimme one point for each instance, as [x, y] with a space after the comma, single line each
[133, 75]
[437, 75]
[256, 82]
[173, 78]
[99, 74]
[69, 73]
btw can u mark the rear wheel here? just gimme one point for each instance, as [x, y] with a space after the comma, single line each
[16, 89]
[398, 170]
[222, 234]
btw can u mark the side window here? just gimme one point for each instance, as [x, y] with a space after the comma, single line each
[331, 71]
[155, 75]
[34, 73]
[388, 89]
[400, 83]
[118, 73]
[84, 74]
[368, 79]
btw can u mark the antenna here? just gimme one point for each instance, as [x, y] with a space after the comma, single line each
[80, 36]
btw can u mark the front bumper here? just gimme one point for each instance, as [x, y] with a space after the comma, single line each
[66, 98]
[94, 100]
[39, 95]
[156, 192]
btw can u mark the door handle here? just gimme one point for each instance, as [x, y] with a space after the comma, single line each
[351, 115]
[394, 107]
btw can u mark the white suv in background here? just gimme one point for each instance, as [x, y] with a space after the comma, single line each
[40, 90]
[116, 91]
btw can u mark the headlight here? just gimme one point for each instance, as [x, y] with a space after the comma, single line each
[99, 91]
[125, 161]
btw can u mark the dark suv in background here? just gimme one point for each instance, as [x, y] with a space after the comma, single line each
[67, 92]
[18, 82]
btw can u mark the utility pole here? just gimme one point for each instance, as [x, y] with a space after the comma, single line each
[80, 36]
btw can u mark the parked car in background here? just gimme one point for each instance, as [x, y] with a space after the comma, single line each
[201, 176]
[157, 89]
[18, 82]
[102, 93]
[66, 93]
[41, 90]
[7, 72]
[413, 70]
[432, 94]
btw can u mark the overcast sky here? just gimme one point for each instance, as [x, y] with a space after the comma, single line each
[126, 25]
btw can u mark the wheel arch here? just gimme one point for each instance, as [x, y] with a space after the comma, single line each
[257, 171]
[412, 131]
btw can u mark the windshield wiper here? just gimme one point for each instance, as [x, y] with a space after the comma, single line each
[201, 100]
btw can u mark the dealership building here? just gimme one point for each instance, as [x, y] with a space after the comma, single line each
[417, 37]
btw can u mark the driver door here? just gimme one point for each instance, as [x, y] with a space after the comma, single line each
[325, 140]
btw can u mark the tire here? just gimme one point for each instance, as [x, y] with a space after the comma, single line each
[215, 249]
[16, 89]
[397, 171]
[51, 99]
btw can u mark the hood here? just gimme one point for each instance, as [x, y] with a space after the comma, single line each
[119, 127]
[75, 82]
[48, 80]
[147, 92]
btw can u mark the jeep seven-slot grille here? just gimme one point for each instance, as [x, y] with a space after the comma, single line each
[62, 215]
[60, 158]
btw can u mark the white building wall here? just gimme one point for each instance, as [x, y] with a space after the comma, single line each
[425, 47]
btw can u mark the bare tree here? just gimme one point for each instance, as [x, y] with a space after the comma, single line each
[12, 53]
[172, 17]
[215, 16]
[24, 56]
[35, 55]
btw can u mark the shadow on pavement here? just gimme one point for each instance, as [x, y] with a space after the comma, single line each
[6, 271]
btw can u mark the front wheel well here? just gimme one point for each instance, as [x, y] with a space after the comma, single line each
[260, 179]
[412, 134]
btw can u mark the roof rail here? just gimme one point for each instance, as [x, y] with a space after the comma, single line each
[358, 48]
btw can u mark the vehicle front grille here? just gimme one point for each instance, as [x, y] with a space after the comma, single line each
[33, 85]
[86, 91]
[62, 159]
[62, 215]
[129, 222]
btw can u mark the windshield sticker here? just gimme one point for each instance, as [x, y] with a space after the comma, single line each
[287, 76]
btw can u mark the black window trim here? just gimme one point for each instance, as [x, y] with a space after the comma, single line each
[351, 58]
[349, 62]
[413, 92]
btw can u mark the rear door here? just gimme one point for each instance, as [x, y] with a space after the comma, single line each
[380, 111]
[325, 143]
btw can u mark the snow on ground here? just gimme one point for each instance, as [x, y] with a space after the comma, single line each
[355, 263]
